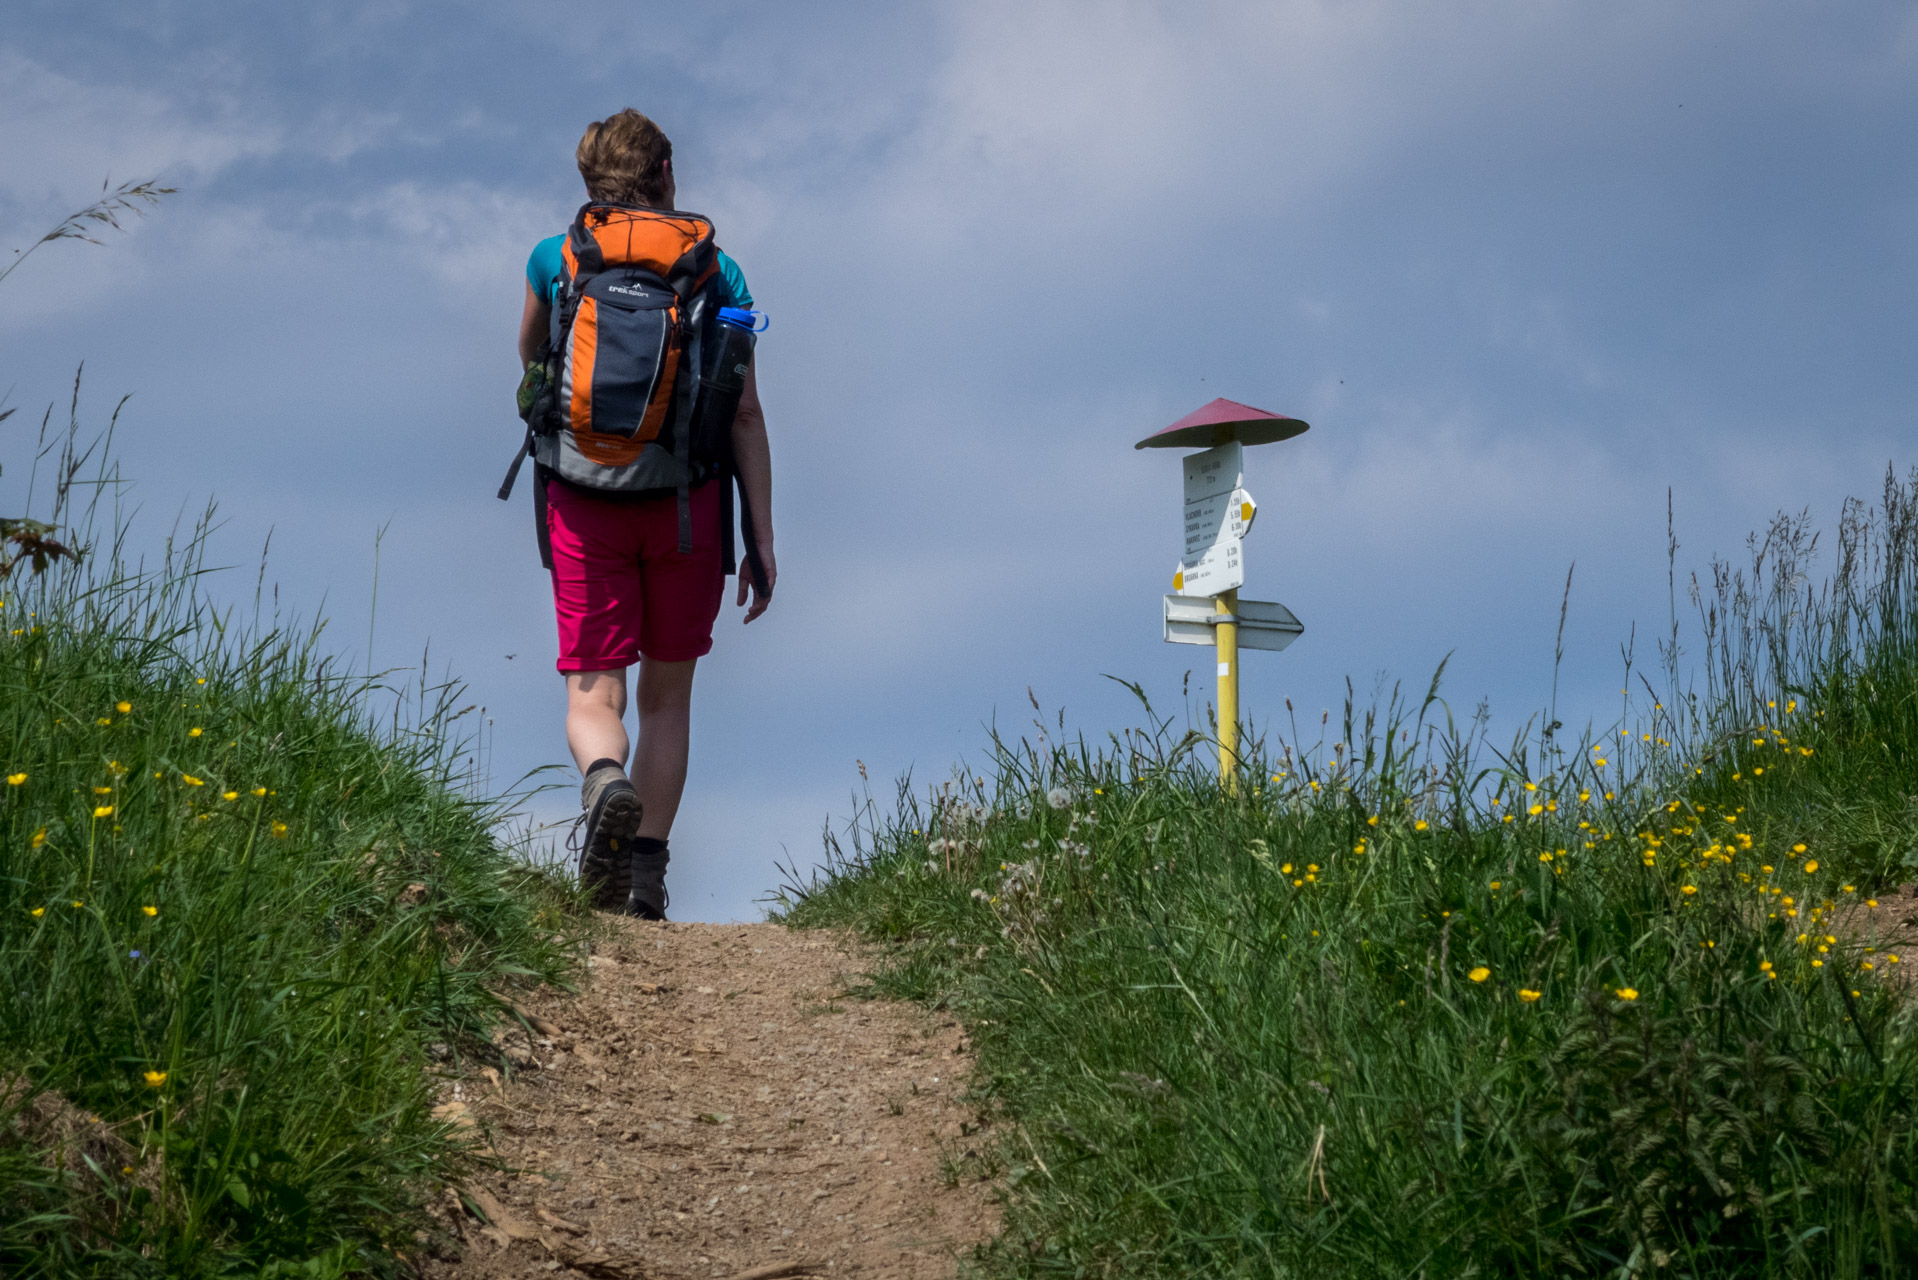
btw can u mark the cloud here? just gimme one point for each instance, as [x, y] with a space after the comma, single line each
[66, 135]
[468, 236]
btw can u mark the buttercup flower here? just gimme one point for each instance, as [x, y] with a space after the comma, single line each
[15, 779]
[151, 911]
[1528, 995]
[194, 732]
[1627, 993]
[154, 1079]
[103, 811]
[123, 707]
[1479, 974]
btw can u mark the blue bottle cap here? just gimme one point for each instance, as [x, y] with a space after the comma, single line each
[740, 318]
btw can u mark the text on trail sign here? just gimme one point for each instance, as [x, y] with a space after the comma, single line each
[1218, 512]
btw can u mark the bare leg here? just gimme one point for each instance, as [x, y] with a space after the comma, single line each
[665, 737]
[596, 717]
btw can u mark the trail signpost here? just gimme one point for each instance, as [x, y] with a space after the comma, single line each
[1204, 607]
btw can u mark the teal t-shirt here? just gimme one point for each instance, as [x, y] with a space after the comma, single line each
[544, 267]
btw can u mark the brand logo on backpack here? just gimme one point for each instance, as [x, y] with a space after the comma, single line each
[628, 290]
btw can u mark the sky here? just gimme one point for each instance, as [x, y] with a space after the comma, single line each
[1527, 268]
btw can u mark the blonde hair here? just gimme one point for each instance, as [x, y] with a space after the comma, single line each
[623, 160]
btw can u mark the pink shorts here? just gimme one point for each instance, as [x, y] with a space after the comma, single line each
[621, 587]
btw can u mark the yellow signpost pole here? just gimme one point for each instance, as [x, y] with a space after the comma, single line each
[1226, 607]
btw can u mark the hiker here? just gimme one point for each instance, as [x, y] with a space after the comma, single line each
[642, 412]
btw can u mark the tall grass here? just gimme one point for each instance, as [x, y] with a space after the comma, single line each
[1422, 1004]
[241, 898]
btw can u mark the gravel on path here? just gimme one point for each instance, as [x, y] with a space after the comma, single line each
[716, 1104]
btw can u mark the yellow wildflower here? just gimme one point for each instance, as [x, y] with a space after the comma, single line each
[103, 811]
[1479, 974]
[39, 838]
[192, 781]
[1689, 889]
[1627, 993]
[151, 911]
[1528, 995]
[155, 1079]
[15, 779]
[37, 912]
[229, 795]
[279, 830]
[123, 707]
[259, 791]
[195, 731]
[1419, 825]
[1811, 866]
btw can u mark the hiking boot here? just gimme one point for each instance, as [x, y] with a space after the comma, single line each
[610, 815]
[647, 872]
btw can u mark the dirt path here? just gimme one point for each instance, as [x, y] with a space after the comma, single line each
[712, 1106]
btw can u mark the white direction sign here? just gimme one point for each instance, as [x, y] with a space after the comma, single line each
[1218, 512]
[1263, 624]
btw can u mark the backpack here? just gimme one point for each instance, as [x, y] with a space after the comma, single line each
[616, 404]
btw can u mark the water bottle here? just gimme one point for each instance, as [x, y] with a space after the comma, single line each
[726, 354]
[733, 334]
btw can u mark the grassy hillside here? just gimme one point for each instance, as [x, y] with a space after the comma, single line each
[235, 915]
[1416, 1004]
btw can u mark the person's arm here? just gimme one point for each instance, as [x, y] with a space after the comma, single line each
[533, 322]
[753, 459]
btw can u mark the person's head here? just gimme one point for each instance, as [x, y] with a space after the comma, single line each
[626, 159]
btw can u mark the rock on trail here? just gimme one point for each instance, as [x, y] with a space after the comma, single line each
[713, 1105]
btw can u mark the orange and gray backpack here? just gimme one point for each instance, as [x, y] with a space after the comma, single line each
[618, 403]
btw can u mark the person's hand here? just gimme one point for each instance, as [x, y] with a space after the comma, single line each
[760, 598]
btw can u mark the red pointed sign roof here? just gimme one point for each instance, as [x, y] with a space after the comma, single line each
[1223, 421]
